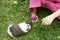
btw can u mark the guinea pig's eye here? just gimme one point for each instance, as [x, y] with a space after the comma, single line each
[28, 27]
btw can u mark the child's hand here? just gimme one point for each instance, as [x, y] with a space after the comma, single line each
[47, 20]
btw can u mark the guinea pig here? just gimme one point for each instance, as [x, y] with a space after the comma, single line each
[18, 29]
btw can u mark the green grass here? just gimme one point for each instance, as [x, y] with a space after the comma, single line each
[11, 13]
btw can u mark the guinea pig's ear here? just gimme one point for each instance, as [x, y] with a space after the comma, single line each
[30, 23]
[22, 0]
[26, 22]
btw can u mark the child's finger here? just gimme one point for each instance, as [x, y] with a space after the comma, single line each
[42, 19]
[43, 22]
[46, 23]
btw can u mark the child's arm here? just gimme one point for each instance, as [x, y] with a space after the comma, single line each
[49, 19]
[56, 14]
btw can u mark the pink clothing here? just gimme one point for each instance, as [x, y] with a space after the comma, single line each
[53, 5]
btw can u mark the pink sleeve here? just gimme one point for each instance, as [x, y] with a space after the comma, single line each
[35, 3]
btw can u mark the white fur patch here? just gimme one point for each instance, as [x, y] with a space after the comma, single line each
[9, 31]
[24, 27]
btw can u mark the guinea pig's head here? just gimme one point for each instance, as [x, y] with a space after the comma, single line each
[25, 27]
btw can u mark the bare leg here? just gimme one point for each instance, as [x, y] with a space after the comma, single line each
[34, 10]
[49, 19]
[34, 15]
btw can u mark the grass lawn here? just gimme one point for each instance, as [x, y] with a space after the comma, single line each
[11, 13]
